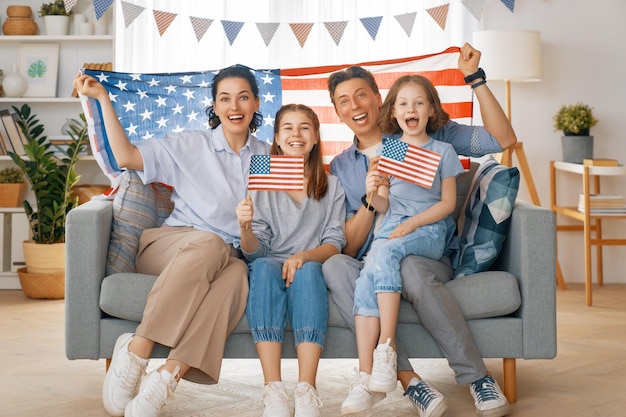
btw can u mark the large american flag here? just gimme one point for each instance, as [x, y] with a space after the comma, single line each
[409, 162]
[276, 172]
[151, 105]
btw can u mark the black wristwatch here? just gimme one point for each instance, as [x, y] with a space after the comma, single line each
[478, 74]
[367, 206]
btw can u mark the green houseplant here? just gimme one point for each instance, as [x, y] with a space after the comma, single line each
[574, 119]
[50, 170]
[12, 187]
[55, 17]
[55, 8]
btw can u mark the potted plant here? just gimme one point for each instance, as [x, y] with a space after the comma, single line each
[50, 170]
[12, 187]
[575, 120]
[55, 17]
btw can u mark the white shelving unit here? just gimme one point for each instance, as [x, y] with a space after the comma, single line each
[52, 112]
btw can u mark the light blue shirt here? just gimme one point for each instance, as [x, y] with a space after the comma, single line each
[351, 165]
[208, 177]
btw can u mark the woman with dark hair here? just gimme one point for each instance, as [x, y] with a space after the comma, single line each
[292, 233]
[201, 289]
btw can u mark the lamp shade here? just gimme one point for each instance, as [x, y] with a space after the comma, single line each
[510, 55]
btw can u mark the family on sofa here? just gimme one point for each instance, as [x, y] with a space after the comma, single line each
[299, 244]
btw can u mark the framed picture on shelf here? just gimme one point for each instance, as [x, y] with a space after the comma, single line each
[39, 65]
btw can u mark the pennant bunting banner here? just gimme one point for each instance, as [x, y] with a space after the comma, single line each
[231, 29]
[406, 21]
[276, 173]
[163, 20]
[510, 4]
[475, 7]
[69, 4]
[130, 12]
[151, 105]
[336, 30]
[372, 24]
[267, 31]
[200, 26]
[409, 162]
[439, 15]
[301, 30]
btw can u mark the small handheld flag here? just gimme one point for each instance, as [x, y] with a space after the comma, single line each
[276, 172]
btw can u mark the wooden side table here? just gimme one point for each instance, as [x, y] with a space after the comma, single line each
[590, 222]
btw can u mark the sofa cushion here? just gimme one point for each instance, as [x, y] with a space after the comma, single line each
[486, 294]
[135, 207]
[485, 220]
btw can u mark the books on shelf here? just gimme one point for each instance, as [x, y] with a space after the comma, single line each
[603, 204]
[14, 140]
[600, 162]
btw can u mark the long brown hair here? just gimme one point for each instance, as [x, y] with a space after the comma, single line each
[389, 125]
[317, 180]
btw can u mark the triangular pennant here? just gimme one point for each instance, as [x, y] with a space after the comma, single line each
[69, 4]
[406, 21]
[439, 15]
[163, 20]
[336, 30]
[267, 31]
[475, 7]
[509, 3]
[301, 30]
[372, 24]
[231, 29]
[131, 12]
[101, 6]
[200, 26]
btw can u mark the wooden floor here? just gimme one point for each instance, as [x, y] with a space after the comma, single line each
[586, 379]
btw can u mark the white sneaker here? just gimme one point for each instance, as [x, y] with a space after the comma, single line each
[154, 390]
[275, 400]
[384, 377]
[360, 398]
[123, 377]
[488, 398]
[307, 403]
[428, 401]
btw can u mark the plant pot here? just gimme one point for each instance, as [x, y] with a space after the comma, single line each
[12, 195]
[50, 286]
[57, 25]
[43, 258]
[577, 148]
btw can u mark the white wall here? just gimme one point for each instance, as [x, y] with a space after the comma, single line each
[583, 60]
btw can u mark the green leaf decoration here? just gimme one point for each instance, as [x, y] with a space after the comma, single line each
[37, 69]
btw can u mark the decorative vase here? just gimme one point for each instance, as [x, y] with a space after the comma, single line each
[577, 148]
[14, 85]
[44, 258]
[56, 25]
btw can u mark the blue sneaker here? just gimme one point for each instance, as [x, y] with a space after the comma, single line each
[428, 401]
[488, 398]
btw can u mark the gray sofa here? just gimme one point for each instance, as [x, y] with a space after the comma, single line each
[511, 309]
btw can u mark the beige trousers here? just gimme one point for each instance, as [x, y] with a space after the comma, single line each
[198, 298]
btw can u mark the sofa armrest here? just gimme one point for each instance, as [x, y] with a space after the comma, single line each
[529, 253]
[88, 228]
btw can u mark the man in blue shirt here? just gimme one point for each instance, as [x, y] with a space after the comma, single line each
[357, 102]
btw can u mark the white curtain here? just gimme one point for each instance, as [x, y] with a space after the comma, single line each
[407, 28]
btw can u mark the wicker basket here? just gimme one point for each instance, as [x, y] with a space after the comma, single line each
[51, 286]
[19, 11]
[19, 26]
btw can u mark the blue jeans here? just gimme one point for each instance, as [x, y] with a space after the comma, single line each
[305, 301]
[381, 271]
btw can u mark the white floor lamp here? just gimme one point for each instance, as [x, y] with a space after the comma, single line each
[512, 56]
